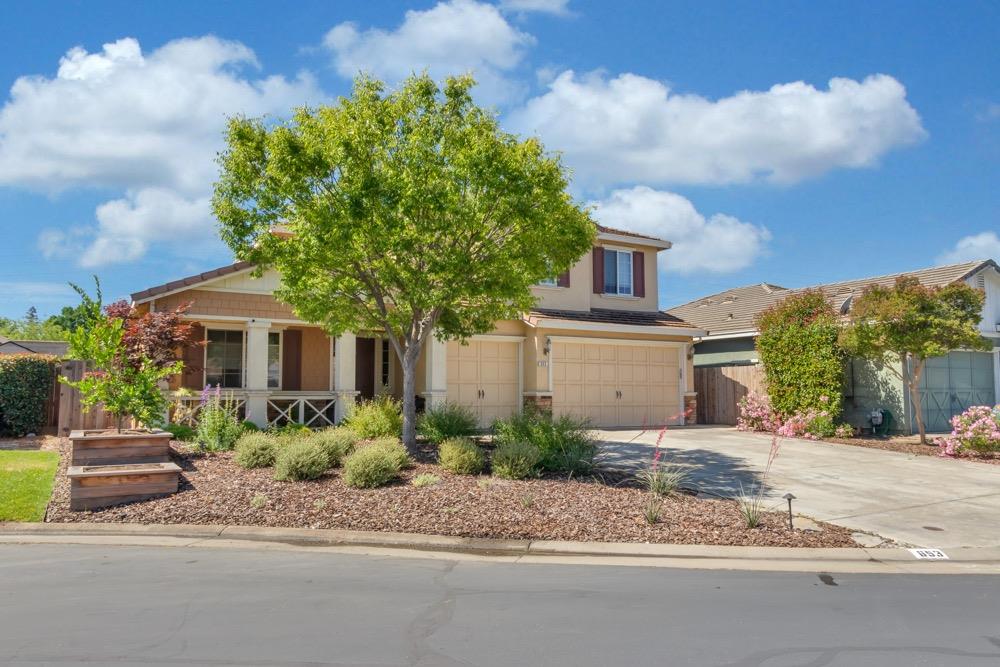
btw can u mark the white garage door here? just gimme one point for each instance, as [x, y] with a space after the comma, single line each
[617, 385]
[484, 376]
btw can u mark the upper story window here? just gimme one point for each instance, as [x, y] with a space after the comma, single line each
[617, 272]
[224, 358]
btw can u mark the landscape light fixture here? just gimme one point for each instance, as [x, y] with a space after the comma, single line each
[789, 497]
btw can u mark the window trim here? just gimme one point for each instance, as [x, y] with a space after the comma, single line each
[281, 358]
[619, 250]
[243, 355]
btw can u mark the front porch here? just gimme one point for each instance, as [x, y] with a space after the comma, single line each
[312, 409]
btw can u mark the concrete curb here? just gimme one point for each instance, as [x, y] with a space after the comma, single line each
[796, 559]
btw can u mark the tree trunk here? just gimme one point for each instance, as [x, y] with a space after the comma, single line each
[913, 384]
[409, 364]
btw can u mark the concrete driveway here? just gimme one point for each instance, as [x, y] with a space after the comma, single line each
[916, 500]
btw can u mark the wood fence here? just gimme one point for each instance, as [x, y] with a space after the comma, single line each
[64, 404]
[721, 387]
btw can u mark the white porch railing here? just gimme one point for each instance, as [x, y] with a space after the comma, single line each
[312, 410]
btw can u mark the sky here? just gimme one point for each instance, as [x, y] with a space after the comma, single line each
[795, 143]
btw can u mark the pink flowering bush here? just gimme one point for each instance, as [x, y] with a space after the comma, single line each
[977, 429]
[811, 424]
[756, 414]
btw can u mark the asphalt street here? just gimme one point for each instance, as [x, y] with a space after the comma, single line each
[120, 605]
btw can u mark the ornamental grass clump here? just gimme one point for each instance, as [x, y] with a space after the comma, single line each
[370, 467]
[564, 443]
[425, 479]
[256, 450]
[449, 420]
[461, 456]
[976, 430]
[662, 478]
[378, 418]
[516, 460]
[300, 461]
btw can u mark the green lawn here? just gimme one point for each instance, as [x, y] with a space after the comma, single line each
[25, 484]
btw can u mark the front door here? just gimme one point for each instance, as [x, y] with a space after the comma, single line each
[364, 368]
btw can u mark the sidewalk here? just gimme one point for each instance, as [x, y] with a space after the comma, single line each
[776, 559]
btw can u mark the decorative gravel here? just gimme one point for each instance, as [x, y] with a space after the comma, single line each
[214, 490]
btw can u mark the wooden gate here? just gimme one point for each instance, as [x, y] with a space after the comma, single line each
[721, 387]
[70, 413]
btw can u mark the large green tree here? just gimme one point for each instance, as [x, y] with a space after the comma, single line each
[407, 211]
[910, 322]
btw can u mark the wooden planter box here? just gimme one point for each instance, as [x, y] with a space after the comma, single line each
[103, 447]
[92, 487]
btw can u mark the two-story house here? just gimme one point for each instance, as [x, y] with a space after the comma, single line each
[596, 345]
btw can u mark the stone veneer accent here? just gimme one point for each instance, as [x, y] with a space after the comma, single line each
[540, 402]
[691, 408]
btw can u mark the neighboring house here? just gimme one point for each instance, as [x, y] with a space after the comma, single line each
[54, 347]
[596, 346]
[950, 384]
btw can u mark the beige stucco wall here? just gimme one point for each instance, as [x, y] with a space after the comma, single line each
[227, 304]
[580, 293]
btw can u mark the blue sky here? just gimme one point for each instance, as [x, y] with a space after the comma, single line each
[794, 143]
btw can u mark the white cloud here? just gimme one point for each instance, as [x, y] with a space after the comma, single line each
[147, 124]
[975, 246]
[718, 244]
[631, 128]
[453, 37]
[556, 7]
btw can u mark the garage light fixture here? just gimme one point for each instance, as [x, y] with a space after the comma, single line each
[547, 347]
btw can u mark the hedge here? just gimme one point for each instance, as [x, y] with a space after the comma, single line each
[25, 385]
[798, 347]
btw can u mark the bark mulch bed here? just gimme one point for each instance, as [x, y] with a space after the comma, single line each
[910, 444]
[214, 490]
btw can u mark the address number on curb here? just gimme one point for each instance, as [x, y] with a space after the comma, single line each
[929, 554]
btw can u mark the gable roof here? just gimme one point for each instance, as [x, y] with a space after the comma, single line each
[56, 348]
[601, 229]
[734, 311]
[190, 281]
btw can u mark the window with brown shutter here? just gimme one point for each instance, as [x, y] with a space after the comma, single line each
[193, 356]
[291, 360]
[638, 273]
[598, 270]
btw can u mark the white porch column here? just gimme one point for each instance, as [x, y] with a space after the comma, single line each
[436, 377]
[344, 355]
[256, 381]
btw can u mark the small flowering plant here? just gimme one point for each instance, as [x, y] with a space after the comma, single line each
[756, 414]
[977, 429]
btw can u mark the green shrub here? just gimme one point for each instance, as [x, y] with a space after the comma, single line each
[461, 456]
[370, 467]
[181, 432]
[564, 443]
[256, 450]
[300, 460]
[803, 361]
[25, 385]
[291, 430]
[218, 425]
[395, 449]
[425, 479]
[516, 460]
[449, 420]
[249, 426]
[378, 418]
[336, 442]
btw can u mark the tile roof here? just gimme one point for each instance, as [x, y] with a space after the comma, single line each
[623, 232]
[734, 310]
[190, 281]
[609, 316]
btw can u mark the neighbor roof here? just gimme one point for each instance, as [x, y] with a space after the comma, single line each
[56, 348]
[191, 281]
[734, 311]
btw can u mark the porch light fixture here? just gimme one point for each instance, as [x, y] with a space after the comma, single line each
[547, 347]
